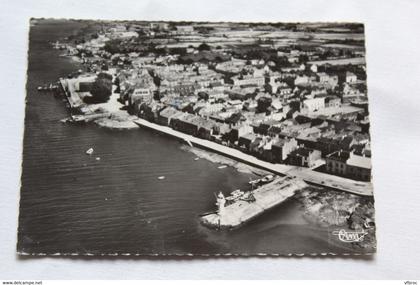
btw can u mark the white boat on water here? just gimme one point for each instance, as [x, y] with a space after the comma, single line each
[222, 166]
[89, 151]
[161, 177]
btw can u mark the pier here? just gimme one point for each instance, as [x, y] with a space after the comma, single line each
[71, 96]
[243, 210]
[76, 102]
[306, 174]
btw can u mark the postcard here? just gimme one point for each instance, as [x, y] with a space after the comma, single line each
[196, 139]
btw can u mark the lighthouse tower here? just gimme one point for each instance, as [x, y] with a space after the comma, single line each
[221, 201]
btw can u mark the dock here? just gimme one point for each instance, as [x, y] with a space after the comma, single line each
[76, 103]
[71, 94]
[241, 211]
[306, 174]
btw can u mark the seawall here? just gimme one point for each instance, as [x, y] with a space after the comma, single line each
[306, 174]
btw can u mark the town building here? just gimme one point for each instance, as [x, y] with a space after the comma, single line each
[336, 162]
[281, 148]
[141, 95]
[184, 29]
[351, 77]
[159, 26]
[302, 80]
[359, 167]
[348, 164]
[248, 80]
[304, 157]
[312, 105]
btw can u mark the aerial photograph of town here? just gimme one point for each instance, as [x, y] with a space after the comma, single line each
[196, 138]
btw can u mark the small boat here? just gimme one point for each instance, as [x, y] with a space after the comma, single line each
[89, 151]
[256, 181]
[222, 166]
[267, 178]
[240, 195]
[161, 177]
[197, 158]
[98, 158]
[236, 193]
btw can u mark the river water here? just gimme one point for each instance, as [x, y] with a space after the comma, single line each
[73, 203]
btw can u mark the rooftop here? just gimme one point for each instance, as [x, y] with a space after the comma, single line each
[359, 161]
[342, 156]
[303, 151]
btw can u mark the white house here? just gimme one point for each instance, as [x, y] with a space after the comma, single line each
[312, 105]
[350, 77]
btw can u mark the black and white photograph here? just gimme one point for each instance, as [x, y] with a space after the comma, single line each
[188, 138]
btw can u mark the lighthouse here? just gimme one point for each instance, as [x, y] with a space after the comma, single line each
[221, 201]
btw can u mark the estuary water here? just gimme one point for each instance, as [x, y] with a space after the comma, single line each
[75, 203]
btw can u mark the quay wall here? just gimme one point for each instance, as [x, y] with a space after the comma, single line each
[196, 142]
[72, 98]
[308, 175]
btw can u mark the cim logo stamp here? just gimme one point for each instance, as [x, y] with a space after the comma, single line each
[345, 236]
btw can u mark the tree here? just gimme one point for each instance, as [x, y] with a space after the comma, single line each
[113, 46]
[101, 89]
[262, 104]
[104, 75]
[203, 46]
[218, 59]
[303, 58]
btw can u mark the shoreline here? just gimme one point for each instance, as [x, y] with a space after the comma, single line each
[328, 181]
[115, 123]
[117, 118]
[316, 209]
[222, 160]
